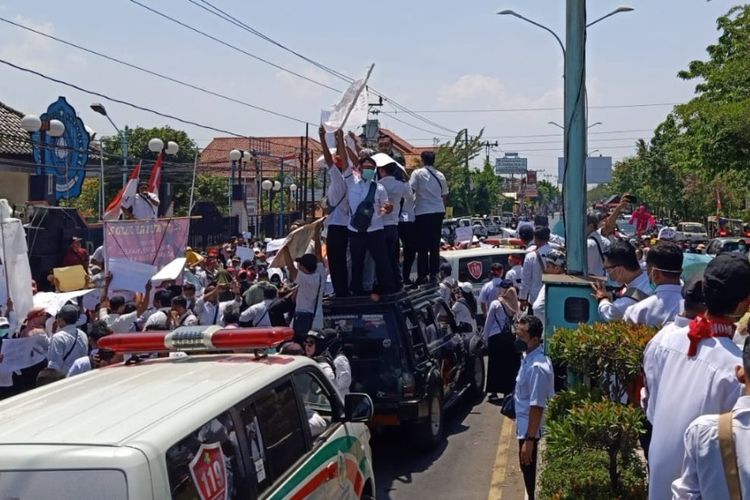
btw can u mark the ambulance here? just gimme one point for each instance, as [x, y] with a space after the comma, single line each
[214, 424]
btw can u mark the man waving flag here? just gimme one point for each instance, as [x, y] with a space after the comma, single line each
[128, 192]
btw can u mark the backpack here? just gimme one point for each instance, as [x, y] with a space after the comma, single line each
[362, 217]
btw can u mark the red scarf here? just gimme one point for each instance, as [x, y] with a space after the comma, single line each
[704, 328]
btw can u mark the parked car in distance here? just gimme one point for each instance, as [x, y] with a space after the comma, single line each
[478, 227]
[691, 231]
[727, 244]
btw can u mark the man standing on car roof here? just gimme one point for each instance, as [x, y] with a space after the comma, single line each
[430, 193]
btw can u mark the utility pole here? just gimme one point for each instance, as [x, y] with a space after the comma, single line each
[488, 147]
[466, 170]
[574, 172]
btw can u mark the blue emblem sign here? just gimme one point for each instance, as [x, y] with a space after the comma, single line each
[63, 156]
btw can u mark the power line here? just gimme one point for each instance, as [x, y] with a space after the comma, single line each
[516, 110]
[120, 101]
[154, 73]
[542, 135]
[234, 47]
[236, 22]
[233, 20]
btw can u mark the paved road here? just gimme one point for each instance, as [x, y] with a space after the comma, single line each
[478, 460]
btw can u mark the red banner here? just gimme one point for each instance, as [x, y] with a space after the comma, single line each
[155, 242]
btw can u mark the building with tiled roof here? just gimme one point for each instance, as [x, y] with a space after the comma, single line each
[214, 158]
[16, 157]
[410, 152]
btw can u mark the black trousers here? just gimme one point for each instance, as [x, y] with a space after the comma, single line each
[407, 233]
[529, 471]
[392, 251]
[374, 243]
[337, 243]
[429, 228]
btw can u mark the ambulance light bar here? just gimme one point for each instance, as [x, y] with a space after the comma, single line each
[197, 338]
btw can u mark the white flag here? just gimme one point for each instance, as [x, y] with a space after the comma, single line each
[352, 99]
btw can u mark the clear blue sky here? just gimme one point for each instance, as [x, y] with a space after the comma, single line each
[428, 55]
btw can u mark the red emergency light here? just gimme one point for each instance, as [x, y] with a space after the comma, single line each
[197, 338]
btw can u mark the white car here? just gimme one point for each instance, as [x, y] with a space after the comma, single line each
[478, 227]
[691, 231]
[222, 425]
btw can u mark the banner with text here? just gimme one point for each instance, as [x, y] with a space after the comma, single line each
[155, 242]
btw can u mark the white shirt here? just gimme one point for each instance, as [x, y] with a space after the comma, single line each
[657, 310]
[495, 319]
[80, 365]
[187, 319]
[257, 314]
[531, 278]
[462, 314]
[158, 319]
[535, 385]
[141, 208]
[515, 274]
[703, 384]
[488, 293]
[337, 198]
[98, 254]
[428, 191]
[68, 341]
[356, 191]
[612, 311]
[407, 210]
[310, 294]
[396, 191]
[207, 311]
[119, 323]
[596, 247]
[702, 468]
[539, 304]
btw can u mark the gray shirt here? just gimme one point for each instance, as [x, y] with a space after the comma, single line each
[65, 347]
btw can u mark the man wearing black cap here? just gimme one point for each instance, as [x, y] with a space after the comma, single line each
[690, 370]
[69, 343]
[664, 267]
[310, 278]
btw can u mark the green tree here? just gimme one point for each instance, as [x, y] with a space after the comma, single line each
[211, 188]
[138, 138]
[88, 201]
[451, 158]
[599, 192]
[485, 189]
[703, 146]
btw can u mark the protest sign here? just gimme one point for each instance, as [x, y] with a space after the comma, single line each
[464, 234]
[51, 302]
[244, 253]
[129, 276]
[171, 271]
[353, 103]
[15, 273]
[154, 242]
[70, 278]
[22, 353]
[297, 244]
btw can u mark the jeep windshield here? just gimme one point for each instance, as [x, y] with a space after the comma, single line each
[693, 228]
[373, 345]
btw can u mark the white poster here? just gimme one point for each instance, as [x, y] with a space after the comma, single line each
[129, 276]
[14, 259]
[52, 302]
[22, 353]
[464, 234]
[350, 105]
[171, 271]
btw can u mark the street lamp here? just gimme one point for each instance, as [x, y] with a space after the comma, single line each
[509, 12]
[621, 8]
[53, 128]
[292, 195]
[123, 135]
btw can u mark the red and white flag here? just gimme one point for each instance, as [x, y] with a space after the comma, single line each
[129, 191]
[155, 178]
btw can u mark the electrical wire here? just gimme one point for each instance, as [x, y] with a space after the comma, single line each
[236, 22]
[154, 73]
[212, 9]
[542, 135]
[517, 110]
[123, 102]
[234, 47]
